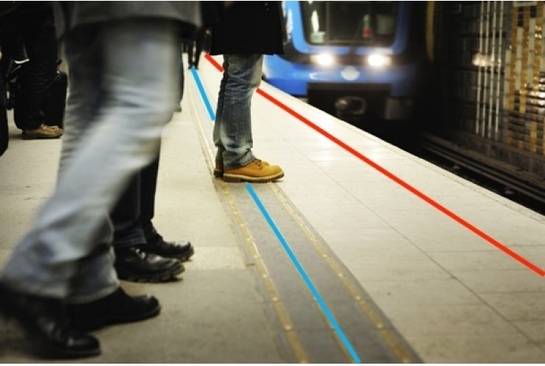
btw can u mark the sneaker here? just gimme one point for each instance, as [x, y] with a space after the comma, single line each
[42, 132]
[116, 308]
[257, 171]
[136, 265]
[181, 250]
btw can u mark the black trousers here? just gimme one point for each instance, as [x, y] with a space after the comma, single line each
[134, 211]
[35, 26]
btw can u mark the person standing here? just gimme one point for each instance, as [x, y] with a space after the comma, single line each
[123, 61]
[246, 31]
[32, 42]
[141, 253]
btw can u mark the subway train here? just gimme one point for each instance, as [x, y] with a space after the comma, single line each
[350, 58]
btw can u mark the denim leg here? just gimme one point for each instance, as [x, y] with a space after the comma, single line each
[138, 98]
[233, 127]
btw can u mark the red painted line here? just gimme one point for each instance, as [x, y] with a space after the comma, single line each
[214, 63]
[496, 243]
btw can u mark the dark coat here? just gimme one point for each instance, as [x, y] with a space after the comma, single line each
[248, 27]
[72, 14]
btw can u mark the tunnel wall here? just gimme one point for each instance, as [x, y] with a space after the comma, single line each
[489, 67]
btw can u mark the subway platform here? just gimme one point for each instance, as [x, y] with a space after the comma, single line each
[361, 253]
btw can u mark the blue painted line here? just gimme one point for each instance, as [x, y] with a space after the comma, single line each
[285, 245]
[202, 92]
[306, 279]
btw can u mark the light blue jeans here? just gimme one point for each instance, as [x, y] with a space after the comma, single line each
[123, 89]
[233, 127]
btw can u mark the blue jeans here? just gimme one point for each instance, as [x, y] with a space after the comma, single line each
[233, 127]
[123, 89]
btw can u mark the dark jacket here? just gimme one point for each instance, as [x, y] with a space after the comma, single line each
[72, 14]
[248, 27]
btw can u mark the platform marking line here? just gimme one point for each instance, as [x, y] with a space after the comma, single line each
[480, 233]
[252, 252]
[282, 312]
[345, 342]
[392, 340]
[202, 93]
[304, 275]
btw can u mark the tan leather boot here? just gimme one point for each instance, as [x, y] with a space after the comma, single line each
[257, 171]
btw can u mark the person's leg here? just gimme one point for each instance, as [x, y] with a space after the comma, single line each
[218, 169]
[126, 214]
[31, 274]
[129, 217]
[37, 75]
[138, 101]
[235, 161]
[155, 244]
[233, 127]
[55, 101]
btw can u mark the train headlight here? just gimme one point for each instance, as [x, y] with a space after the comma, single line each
[376, 60]
[323, 59]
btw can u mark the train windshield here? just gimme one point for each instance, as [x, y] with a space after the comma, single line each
[368, 23]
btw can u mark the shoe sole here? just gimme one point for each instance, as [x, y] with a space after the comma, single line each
[166, 276]
[45, 350]
[235, 178]
[26, 137]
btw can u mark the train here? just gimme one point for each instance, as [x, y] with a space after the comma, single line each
[350, 58]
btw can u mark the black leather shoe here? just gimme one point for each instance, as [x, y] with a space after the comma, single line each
[116, 308]
[135, 264]
[47, 325]
[181, 250]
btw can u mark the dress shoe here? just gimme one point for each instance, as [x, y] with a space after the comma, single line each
[135, 264]
[116, 308]
[46, 323]
[181, 250]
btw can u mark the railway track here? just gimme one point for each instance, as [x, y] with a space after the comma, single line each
[502, 178]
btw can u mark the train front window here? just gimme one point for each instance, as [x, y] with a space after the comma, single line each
[369, 23]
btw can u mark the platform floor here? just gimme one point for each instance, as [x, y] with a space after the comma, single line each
[404, 281]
